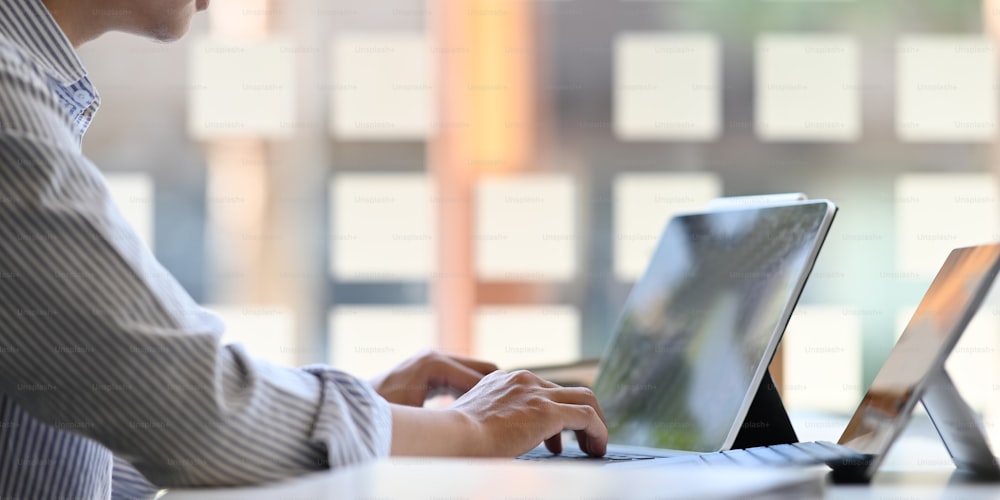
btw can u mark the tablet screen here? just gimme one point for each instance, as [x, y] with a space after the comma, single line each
[698, 328]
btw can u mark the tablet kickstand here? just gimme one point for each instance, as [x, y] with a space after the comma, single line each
[959, 427]
[767, 422]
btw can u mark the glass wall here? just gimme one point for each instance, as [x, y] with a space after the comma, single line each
[348, 181]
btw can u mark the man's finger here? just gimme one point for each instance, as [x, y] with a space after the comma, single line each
[590, 446]
[577, 396]
[554, 444]
[454, 376]
[591, 431]
[482, 367]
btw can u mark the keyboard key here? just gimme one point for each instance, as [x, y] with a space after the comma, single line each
[795, 455]
[836, 448]
[822, 453]
[769, 456]
[741, 457]
[717, 459]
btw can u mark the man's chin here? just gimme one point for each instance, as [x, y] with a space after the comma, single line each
[201, 4]
[167, 32]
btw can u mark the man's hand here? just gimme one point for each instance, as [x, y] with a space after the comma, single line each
[430, 374]
[515, 411]
[505, 415]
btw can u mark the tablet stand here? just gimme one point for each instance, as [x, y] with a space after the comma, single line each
[958, 426]
[767, 421]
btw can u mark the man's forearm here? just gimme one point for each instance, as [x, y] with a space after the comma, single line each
[433, 432]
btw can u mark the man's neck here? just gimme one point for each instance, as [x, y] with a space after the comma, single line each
[71, 17]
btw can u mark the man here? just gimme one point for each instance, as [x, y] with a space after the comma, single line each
[103, 355]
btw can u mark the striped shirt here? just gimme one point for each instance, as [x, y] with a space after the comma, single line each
[112, 379]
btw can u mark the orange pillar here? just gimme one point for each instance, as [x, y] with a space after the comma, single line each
[485, 53]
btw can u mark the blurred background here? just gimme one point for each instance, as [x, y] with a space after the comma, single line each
[351, 181]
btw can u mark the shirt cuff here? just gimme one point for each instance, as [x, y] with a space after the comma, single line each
[354, 422]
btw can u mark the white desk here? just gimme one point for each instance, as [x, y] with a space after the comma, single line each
[918, 467]
[916, 485]
[502, 479]
[439, 479]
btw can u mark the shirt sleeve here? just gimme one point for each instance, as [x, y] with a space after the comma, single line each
[96, 331]
[128, 484]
